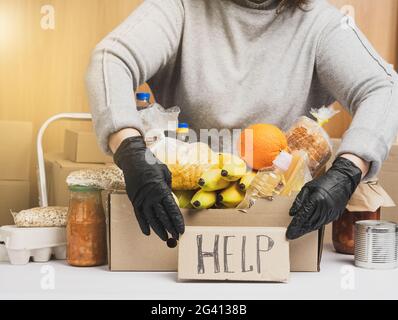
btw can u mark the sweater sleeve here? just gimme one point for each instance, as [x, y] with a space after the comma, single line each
[356, 76]
[128, 57]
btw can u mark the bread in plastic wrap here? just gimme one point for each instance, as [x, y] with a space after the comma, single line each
[41, 217]
[308, 136]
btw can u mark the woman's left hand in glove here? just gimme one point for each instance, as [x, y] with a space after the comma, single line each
[324, 199]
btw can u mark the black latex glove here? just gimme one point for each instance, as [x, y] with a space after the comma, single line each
[148, 185]
[324, 199]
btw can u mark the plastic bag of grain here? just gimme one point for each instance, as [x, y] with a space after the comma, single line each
[41, 217]
[109, 178]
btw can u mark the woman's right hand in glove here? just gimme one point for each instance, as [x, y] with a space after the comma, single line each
[148, 185]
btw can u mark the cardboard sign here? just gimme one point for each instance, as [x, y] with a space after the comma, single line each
[234, 253]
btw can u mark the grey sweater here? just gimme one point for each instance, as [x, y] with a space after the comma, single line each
[232, 63]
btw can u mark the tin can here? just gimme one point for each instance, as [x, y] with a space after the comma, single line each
[376, 245]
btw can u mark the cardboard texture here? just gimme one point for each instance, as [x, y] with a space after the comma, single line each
[57, 170]
[14, 195]
[130, 250]
[234, 254]
[15, 150]
[388, 178]
[82, 147]
[369, 197]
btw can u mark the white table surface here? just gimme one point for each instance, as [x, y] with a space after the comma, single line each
[339, 279]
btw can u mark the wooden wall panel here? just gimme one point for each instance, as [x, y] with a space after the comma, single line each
[378, 21]
[42, 72]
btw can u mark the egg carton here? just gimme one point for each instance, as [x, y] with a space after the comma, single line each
[19, 245]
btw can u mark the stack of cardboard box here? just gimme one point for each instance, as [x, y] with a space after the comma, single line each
[81, 151]
[15, 153]
[388, 178]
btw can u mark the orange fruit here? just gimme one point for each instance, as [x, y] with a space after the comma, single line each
[260, 144]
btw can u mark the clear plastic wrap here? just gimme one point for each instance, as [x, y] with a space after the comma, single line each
[156, 120]
[309, 136]
[110, 178]
[298, 174]
[186, 162]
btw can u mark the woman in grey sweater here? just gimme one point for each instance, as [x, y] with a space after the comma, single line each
[232, 63]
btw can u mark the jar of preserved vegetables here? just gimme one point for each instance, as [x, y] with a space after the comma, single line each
[344, 229]
[365, 204]
[86, 228]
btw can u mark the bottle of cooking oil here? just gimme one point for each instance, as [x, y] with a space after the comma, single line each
[268, 182]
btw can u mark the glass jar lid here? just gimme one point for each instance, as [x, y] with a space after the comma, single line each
[78, 188]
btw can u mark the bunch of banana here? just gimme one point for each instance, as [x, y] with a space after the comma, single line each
[204, 199]
[247, 180]
[233, 168]
[231, 197]
[224, 185]
[211, 180]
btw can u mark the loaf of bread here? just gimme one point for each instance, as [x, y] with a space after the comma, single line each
[309, 136]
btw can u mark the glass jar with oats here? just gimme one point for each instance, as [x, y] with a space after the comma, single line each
[86, 228]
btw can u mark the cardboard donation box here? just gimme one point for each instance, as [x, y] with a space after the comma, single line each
[57, 170]
[231, 253]
[82, 147]
[130, 250]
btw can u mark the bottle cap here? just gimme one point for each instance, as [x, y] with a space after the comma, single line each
[143, 96]
[183, 125]
[183, 128]
[283, 161]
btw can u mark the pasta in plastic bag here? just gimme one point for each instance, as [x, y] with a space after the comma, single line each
[187, 162]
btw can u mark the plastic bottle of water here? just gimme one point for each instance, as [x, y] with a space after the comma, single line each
[183, 132]
[142, 100]
[268, 182]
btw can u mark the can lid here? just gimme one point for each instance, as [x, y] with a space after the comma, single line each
[143, 96]
[283, 161]
[77, 188]
[376, 226]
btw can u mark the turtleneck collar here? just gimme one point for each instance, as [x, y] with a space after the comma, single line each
[263, 5]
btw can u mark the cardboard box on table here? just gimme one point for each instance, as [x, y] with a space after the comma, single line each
[389, 181]
[57, 170]
[14, 196]
[388, 178]
[82, 147]
[234, 253]
[130, 250]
